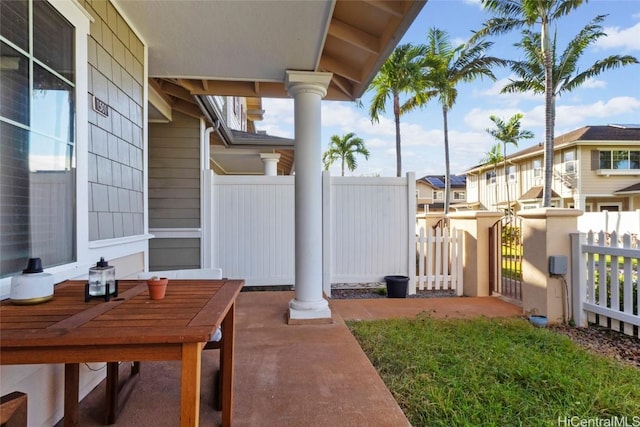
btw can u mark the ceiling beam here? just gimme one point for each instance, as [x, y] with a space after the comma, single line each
[176, 91]
[343, 84]
[339, 67]
[354, 36]
[395, 8]
[241, 88]
[187, 108]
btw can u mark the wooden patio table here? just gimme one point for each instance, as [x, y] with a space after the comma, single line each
[131, 326]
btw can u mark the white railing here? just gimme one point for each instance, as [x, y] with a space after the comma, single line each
[605, 281]
[439, 253]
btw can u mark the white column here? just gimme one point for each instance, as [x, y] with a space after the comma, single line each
[307, 90]
[270, 161]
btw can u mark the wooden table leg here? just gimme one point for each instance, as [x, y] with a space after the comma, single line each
[71, 395]
[226, 365]
[190, 384]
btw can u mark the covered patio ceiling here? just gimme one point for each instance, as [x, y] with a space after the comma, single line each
[244, 47]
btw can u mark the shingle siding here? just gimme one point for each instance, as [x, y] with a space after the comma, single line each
[116, 77]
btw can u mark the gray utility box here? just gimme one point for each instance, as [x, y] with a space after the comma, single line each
[557, 265]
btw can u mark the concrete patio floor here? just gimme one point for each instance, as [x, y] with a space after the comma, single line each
[289, 375]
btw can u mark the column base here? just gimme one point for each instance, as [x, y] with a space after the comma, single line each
[305, 313]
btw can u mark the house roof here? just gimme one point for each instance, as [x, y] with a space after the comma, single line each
[631, 189]
[243, 48]
[438, 181]
[535, 193]
[600, 133]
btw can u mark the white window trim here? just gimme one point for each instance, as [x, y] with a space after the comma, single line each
[78, 18]
[618, 204]
[607, 172]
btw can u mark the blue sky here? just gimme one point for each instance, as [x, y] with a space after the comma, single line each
[613, 97]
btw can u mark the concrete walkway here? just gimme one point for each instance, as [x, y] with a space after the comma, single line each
[298, 376]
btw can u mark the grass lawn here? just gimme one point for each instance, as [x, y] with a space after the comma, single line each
[494, 372]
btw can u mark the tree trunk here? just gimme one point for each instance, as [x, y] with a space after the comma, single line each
[396, 116]
[549, 115]
[343, 166]
[447, 181]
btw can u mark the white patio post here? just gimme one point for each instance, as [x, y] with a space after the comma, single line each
[270, 161]
[307, 90]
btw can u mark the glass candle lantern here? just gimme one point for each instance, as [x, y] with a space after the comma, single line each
[100, 276]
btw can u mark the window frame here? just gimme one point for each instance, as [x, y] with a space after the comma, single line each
[80, 21]
[537, 169]
[491, 177]
[512, 177]
[612, 170]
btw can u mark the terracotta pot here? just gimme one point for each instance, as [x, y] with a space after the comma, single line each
[157, 287]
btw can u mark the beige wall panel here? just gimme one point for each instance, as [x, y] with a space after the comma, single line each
[592, 183]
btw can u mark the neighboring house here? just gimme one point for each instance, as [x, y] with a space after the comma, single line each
[109, 123]
[430, 193]
[596, 168]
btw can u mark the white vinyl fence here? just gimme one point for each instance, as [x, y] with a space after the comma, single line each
[605, 281]
[620, 222]
[439, 255]
[368, 228]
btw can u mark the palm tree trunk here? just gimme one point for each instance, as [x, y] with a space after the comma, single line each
[447, 181]
[396, 116]
[549, 115]
[343, 166]
[506, 177]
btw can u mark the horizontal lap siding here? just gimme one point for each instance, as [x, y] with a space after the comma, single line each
[174, 191]
[174, 254]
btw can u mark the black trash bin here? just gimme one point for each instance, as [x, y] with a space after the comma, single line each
[397, 286]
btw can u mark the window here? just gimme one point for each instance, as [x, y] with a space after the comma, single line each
[569, 161]
[438, 195]
[537, 168]
[491, 177]
[511, 172]
[620, 159]
[37, 123]
[459, 195]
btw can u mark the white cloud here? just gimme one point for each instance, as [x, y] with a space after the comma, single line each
[626, 39]
[580, 115]
[594, 84]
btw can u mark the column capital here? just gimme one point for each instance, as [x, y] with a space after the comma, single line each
[307, 82]
[270, 156]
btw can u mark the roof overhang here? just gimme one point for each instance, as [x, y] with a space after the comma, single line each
[244, 48]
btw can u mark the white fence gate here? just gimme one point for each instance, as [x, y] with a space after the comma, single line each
[439, 258]
[605, 281]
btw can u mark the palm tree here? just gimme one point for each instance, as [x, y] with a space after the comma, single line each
[508, 133]
[400, 74]
[444, 67]
[543, 72]
[494, 157]
[345, 149]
